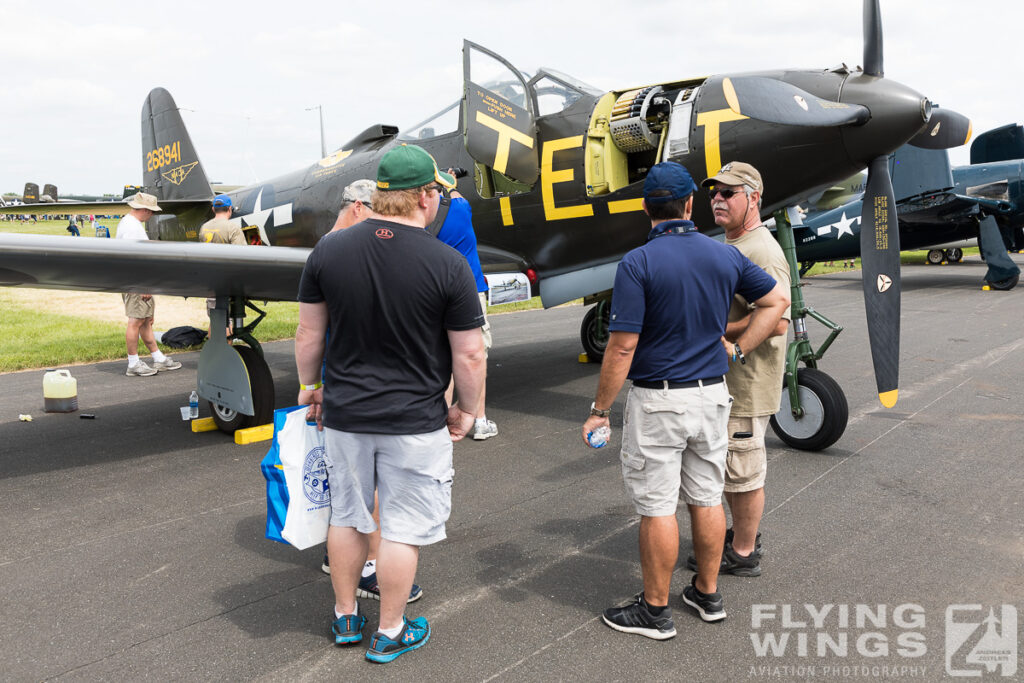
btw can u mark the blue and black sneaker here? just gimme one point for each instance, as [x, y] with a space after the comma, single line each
[348, 629]
[414, 634]
[369, 589]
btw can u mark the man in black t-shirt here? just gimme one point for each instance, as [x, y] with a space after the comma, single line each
[404, 317]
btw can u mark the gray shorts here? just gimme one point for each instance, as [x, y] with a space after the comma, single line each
[674, 444]
[411, 472]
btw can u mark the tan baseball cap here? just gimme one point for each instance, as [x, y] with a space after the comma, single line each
[737, 173]
[144, 201]
[359, 190]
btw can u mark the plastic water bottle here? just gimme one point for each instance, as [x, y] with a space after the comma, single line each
[193, 405]
[599, 437]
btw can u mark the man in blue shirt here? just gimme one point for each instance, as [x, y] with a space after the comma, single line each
[668, 318]
[457, 232]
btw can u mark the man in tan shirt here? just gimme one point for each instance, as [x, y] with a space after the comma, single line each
[756, 386]
[221, 230]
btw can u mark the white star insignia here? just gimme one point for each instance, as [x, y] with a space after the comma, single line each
[842, 227]
[259, 217]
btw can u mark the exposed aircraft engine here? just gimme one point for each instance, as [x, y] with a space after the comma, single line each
[633, 127]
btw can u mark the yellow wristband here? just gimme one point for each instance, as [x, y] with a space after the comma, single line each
[311, 387]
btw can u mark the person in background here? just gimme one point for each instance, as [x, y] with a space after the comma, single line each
[140, 307]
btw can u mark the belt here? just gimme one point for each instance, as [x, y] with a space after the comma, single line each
[665, 384]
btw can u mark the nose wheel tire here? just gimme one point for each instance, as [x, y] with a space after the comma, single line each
[262, 385]
[594, 334]
[825, 412]
[936, 256]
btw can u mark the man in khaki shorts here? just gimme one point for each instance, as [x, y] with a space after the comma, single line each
[140, 307]
[669, 309]
[756, 386]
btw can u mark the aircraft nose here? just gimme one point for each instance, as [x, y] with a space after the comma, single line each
[898, 113]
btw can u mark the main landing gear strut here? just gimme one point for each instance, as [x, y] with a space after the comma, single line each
[233, 376]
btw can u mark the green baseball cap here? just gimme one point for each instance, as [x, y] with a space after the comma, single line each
[408, 166]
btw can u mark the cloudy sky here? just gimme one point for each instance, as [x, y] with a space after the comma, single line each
[75, 74]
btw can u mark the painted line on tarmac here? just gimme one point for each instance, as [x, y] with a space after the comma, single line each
[986, 361]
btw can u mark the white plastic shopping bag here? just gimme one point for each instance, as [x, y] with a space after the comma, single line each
[305, 473]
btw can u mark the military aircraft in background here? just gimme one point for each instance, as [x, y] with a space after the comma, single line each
[557, 169]
[937, 206]
[49, 195]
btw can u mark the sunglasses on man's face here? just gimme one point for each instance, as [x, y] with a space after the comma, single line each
[726, 194]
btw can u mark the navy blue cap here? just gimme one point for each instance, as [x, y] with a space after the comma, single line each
[671, 177]
[222, 201]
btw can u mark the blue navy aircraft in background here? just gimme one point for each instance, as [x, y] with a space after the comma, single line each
[936, 206]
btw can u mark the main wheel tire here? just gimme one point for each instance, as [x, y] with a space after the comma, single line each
[825, 412]
[262, 385]
[1005, 285]
[936, 256]
[955, 255]
[589, 334]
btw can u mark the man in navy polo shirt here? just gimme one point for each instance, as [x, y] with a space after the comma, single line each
[668, 318]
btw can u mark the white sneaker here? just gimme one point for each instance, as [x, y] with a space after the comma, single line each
[140, 369]
[484, 430]
[166, 364]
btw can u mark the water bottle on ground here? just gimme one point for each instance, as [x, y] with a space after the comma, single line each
[599, 437]
[193, 405]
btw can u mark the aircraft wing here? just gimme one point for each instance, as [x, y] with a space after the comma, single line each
[153, 267]
[99, 208]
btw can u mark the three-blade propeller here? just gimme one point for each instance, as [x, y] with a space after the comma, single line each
[778, 102]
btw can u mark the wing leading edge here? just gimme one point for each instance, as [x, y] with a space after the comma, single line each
[154, 267]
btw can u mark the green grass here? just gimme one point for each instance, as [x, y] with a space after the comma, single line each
[55, 227]
[906, 258]
[37, 339]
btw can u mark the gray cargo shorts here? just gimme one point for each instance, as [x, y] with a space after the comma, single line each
[411, 472]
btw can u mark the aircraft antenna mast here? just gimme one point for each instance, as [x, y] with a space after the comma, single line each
[323, 143]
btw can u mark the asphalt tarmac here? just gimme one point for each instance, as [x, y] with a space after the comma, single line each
[133, 549]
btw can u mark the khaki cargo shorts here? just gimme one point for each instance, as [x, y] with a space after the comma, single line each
[747, 462]
[674, 446]
[135, 307]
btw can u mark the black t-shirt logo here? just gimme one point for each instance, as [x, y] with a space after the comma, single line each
[384, 233]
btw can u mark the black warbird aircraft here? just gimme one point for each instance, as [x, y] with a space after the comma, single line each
[557, 171]
[937, 205]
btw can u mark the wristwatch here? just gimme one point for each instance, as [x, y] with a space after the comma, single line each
[596, 412]
[737, 352]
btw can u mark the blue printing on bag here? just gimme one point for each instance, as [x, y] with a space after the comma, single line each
[277, 491]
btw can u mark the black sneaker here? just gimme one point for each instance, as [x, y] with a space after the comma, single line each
[691, 559]
[636, 618]
[326, 566]
[708, 605]
[738, 565]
